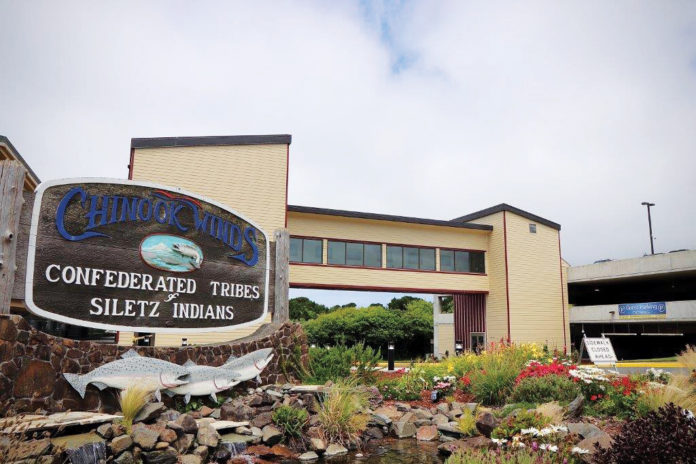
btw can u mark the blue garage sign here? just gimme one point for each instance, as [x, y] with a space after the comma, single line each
[643, 310]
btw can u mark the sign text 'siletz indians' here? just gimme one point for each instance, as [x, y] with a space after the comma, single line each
[131, 256]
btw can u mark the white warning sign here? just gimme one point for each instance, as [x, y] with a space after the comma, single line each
[600, 350]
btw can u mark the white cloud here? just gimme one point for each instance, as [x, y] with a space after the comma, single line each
[573, 111]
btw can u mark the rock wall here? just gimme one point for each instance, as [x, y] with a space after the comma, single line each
[32, 364]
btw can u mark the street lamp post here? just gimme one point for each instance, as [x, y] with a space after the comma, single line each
[652, 247]
[390, 356]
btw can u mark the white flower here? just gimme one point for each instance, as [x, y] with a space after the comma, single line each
[499, 441]
[578, 450]
[559, 428]
[530, 431]
[546, 447]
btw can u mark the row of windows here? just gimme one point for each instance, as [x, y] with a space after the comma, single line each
[309, 250]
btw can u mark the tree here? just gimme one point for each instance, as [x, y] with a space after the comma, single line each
[401, 303]
[303, 309]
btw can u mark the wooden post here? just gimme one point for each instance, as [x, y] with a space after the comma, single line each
[11, 186]
[282, 276]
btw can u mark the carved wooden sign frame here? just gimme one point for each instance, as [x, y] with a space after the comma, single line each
[136, 256]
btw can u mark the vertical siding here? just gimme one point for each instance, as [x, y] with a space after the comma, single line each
[496, 304]
[469, 317]
[536, 302]
[250, 179]
[445, 339]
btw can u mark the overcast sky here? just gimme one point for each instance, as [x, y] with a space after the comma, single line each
[575, 111]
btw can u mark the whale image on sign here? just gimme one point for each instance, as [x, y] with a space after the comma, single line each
[132, 256]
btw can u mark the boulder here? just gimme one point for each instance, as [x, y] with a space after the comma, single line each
[335, 450]
[403, 407]
[467, 443]
[184, 442]
[427, 433]
[125, 458]
[202, 452]
[583, 429]
[105, 431]
[188, 423]
[403, 429]
[29, 449]
[282, 451]
[574, 408]
[206, 411]
[389, 411]
[236, 412]
[259, 450]
[208, 436]
[317, 444]
[145, 437]
[165, 456]
[374, 432]
[440, 419]
[120, 444]
[379, 419]
[309, 456]
[443, 408]
[190, 459]
[271, 435]
[150, 412]
[168, 435]
[262, 420]
[485, 423]
[602, 439]
[449, 430]
[423, 414]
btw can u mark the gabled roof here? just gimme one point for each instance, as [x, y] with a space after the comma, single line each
[213, 140]
[385, 217]
[31, 180]
[512, 209]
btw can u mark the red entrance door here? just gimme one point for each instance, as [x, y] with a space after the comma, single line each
[469, 318]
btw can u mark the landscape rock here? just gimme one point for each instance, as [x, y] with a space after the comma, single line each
[602, 439]
[262, 420]
[335, 450]
[150, 412]
[374, 432]
[404, 429]
[427, 433]
[282, 451]
[105, 431]
[29, 449]
[168, 435]
[389, 411]
[184, 442]
[317, 444]
[202, 452]
[120, 444]
[583, 429]
[574, 408]
[125, 458]
[449, 430]
[208, 436]
[188, 423]
[206, 411]
[440, 419]
[309, 456]
[467, 443]
[271, 435]
[165, 456]
[190, 459]
[145, 437]
[236, 412]
[443, 408]
[485, 423]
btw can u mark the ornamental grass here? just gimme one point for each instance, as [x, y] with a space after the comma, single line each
[680, 391]
[341, 413]
[132, 401]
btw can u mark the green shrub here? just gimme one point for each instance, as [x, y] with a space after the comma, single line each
[290, 420]
[498, 456]
[510, 408]
[493, 383]
[545, 389]
[335, 363]
[467, 423]
[665, 436]
[408, 387]
[523, 420]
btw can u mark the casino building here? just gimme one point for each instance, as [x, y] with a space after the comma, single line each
[499, 269]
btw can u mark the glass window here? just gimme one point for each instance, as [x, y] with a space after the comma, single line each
[296, 250]
[354, 254]
[446, 260]
[305, 250]
[461, 261]
[394, 256]
[410, 258]
[373, 255]
[311, 251]
[427, 259]
[532, 228]
[337, 252]
[477, 261]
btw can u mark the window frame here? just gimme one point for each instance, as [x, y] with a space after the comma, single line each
[454, 261]
[359, 242]
[419, 248]
[302, 257]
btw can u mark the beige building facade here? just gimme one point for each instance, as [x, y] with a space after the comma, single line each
[502, 265]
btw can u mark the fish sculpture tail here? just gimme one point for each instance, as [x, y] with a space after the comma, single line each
[77, 382]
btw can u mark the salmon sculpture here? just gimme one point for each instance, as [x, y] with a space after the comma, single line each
[132, 369]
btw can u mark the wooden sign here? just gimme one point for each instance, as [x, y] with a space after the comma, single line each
[125, 255]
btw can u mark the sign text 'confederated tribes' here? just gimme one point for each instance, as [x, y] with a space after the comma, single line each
[125, 255]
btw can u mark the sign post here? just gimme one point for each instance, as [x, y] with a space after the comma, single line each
[132, 256]
[11, 185]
